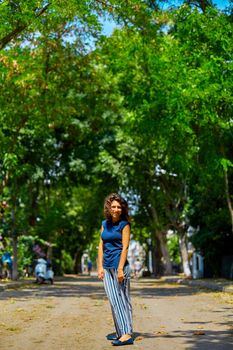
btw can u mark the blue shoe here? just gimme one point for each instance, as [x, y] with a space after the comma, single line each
[111, 337]
[120, 343]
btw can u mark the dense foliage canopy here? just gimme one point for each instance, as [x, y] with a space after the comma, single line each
[146, 112]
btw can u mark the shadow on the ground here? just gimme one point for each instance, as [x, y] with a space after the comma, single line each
[58, 291]
[139, 336]
[209, 340]
[214, 340]
[90, 286]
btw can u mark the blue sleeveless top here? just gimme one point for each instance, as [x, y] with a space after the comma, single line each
[112, 242]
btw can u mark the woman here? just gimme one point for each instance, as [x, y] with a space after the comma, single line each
[113, 267]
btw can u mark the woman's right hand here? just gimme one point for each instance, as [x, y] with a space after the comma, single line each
[101, 274]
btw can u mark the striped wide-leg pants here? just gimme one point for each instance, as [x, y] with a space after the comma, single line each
[119, 298]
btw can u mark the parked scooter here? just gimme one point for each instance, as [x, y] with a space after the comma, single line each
[43, 271]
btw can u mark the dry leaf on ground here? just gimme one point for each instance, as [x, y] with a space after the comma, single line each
[139, 338]
[198, 333]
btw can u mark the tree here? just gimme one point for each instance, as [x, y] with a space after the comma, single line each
[146, 113]
[168, 117]
[52, 131]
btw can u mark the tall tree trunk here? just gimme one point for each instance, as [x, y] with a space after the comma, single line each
[49, 252]
[14, 246]
[15, 259]
[161, 235]
[77, 262]
[228, 197]
[14, 234]
[184, 255]
[164, 249]
[34, 192]
[156, 259]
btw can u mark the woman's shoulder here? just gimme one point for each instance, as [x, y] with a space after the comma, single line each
[103, 222]
[124, 223]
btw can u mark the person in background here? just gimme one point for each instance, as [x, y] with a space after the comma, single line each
[113, 267]
[7, 265]
[1, 250]
[137, 268]
[89, 267]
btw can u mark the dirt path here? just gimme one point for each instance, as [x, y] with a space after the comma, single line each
[75, 314]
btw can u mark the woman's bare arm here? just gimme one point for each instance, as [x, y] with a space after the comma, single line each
[100, 258]
[124, 253]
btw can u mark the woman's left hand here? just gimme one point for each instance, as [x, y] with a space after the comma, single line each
[120, 275]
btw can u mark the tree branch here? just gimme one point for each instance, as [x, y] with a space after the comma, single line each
[202, 4]
[6, 39]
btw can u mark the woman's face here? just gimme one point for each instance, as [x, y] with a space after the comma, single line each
[115, 210]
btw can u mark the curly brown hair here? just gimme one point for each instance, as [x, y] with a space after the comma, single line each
[107, 206]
